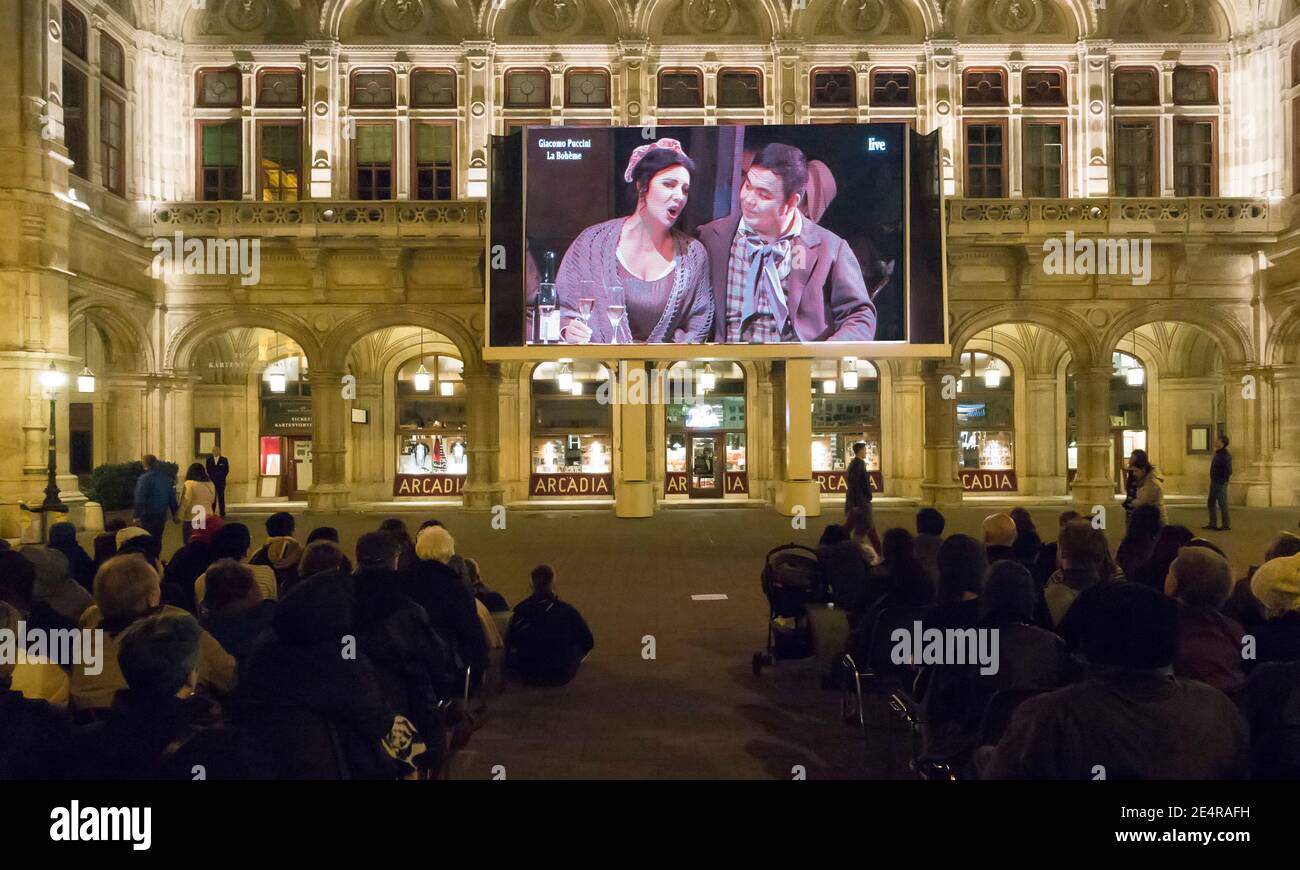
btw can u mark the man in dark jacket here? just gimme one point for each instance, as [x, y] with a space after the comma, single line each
[1131, 718]
[857, 499]
[437, 587]
[35, 737]
[415, 666]
[63, 537]
[218, 468]
[308, 696]
[1220, 474]
[547, 638]
[155, 496]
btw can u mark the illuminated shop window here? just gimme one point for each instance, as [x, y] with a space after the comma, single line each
[572, 429]
[845, 409]
[985, 396]
[431, 416]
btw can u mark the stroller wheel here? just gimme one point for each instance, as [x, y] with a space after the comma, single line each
[757, 663]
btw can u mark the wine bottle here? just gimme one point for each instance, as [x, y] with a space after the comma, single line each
[548, 319]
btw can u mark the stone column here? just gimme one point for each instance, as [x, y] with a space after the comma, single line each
[1284, 461]
[330, 418]
[797, 489]
[791, 87]
[1042, 439]
[368, 473]
[941, 484]
[1093, 82]
[1249, 395]
[1093, 484]
[634, 491]
[902, 454]
[321, 87]
[483, 489]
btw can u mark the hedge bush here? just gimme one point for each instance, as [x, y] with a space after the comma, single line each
[113, 486]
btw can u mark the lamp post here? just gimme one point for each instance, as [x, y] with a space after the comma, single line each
[52, 379]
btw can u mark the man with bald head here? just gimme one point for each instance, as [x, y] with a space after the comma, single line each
[999, 532]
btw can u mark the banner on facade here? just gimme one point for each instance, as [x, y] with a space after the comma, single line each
[837, 481]
[572, 484]
[425, 485]
[989, 481]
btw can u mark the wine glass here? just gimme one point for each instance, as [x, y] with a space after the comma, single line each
[616, 309]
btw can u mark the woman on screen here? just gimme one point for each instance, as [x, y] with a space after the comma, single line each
[636, 279]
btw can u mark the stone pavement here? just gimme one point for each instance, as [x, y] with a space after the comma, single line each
[695, 710]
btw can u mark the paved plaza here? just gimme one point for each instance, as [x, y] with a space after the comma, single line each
[694, 709]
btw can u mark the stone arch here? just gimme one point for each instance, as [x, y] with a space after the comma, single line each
[1174, 21]
[1080, 339]
[347, 332]
[669, 22]
[395, 21]
[1232, 337]
[125, 333]
[1283, 344]
[596, 20]
[247, 21]
[825, 21]
[1004, 21]
[183, 343]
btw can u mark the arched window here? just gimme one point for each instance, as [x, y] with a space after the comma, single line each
[985, 413]
[845, 409]
[572, 429]
[431, 419]
[704, 427]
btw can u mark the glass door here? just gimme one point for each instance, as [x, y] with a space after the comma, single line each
[300, 467]
[706, 469]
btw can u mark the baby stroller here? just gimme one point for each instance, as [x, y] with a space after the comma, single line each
[792, 579]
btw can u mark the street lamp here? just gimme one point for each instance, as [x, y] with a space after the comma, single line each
[52, 379]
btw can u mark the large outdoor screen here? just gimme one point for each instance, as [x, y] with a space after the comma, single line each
[783, 238]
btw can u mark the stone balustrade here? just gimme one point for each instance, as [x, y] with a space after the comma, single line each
[1247, 220]
[323, 219]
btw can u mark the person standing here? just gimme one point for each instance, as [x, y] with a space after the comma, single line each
[197, 491]
[155, 496]
[218, 468]
[1148, 481]
[857, 501]
[1220, 474]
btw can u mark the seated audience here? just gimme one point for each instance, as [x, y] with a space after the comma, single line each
[188, 564]
[495, 602]
[232, 541]
[999, 533]
[159, 727]
[898, 580]
[54, 584]
[435, 586]
[233, 609]
[63, 538]
[1130, 718]
[925, 546]
[322, 557]
[147, 547]
[845, 567]
[1084, 557]
[1047, 564]
[281, 552]
[414, 666]
[106, 541]
[456, 562]
[1139, 541]
[1270, 701]
[547, 638]
[1028, 543]
[396, 528]
[318, 711]
[1169, 540]
[35, 737]
[323, 533]
[127, 589]
[1277, 587]
[1242, 604]
[36, 676]
[1209, 644]
[962, 568]
[17, 587]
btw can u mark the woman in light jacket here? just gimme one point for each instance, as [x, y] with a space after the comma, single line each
[196, 490]
[1149, 489]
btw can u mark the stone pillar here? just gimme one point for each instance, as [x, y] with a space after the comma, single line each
[1249, 395]
[1042, 439]
[483, 489]
[368, 472]
[902, 455]
[797, 489]
[330, 419]
[1284, 461]
[324, 152]
[1093, 483]
[1093, 81]
[478, 82]
[791, 89]
[634, 491]
[634, 81]
[941, 484]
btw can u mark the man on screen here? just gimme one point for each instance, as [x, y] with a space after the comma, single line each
[777, 275]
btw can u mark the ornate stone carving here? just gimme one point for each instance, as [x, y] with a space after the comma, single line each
[556, 17]
[399, 15]
[707, 16]
[863, 16]
[246, 15]
[1017, 16]
[1167, 16]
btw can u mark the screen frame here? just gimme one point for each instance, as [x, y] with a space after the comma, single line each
[899, 349]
